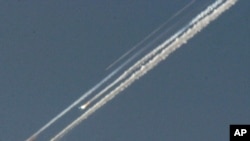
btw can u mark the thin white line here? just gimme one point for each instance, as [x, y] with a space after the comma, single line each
[186, 33]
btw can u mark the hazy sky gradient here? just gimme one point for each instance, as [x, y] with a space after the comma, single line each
[52, 52]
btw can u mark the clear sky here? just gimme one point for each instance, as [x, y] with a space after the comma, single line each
[51, 52]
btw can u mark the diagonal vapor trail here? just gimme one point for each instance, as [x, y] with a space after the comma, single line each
[151, 35]
[154, 57]
[107, 78]
[84, 96]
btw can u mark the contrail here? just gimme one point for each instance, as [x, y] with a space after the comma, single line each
[103, 81]
[157, 55]
[151, 34]
[139, 63]
[84, 96]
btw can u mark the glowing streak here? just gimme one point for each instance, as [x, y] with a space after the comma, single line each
[159, 54]
[93, 89]
[85, 95]
[84, 106]
[128, 72]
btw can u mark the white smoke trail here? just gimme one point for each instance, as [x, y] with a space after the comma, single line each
[137, 65]
[142, 61]
[151, 34]
[93, 89]
[157, 55]
[84, 96]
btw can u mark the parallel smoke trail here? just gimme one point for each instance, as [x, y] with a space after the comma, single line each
[151, 34]
[85, 95]
[137, 66]
[89, 92]
[157, 55]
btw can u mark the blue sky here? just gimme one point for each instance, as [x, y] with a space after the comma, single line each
[52, 52]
